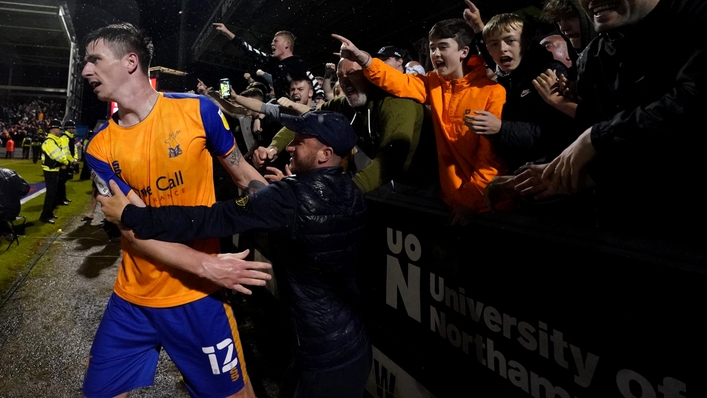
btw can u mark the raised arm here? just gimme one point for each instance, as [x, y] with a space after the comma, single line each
[385, 76]
[252, 104]
[329, 73]
[293, 106]
[248, 50]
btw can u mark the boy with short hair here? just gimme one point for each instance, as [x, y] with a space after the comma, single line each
[457, 86]
[530, 128]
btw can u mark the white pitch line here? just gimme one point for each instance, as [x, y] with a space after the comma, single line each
[34, 195]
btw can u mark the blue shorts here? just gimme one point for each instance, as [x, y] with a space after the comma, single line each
[201, 338]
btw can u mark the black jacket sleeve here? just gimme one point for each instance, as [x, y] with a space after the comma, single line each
[679, 109]
[515, 134]
[251, 52]
[271, 208]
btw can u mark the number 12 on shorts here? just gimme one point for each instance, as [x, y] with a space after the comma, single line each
[229, 363]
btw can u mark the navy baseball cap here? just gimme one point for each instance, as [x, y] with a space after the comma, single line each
[331, 128]
[389, 51]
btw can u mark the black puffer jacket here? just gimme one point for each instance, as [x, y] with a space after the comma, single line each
[319, 253]
[531, 129]
[317, 221]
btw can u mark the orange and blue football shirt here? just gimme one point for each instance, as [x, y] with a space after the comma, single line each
[166, 160]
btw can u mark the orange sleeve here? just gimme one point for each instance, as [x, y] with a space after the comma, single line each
[496, 101]
[397, 83]
[488, 164]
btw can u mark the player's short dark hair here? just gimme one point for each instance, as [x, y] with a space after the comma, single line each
[124, 38]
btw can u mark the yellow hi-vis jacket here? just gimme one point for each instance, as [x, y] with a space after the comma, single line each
[53, 155]
[65, 146]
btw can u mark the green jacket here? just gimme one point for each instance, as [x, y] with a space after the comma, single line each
[390, 131]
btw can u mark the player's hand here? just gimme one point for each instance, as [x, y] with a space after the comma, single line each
[231, 271]
[113, 206]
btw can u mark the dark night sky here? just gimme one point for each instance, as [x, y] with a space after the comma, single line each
[159, 19]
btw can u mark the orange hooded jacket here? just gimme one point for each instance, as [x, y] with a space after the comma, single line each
[467, 161]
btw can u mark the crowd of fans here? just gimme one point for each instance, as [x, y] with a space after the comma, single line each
[24, 124]
[494, 148]
[498, 143]
[543, 118]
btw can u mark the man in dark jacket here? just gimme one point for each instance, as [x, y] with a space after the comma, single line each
[316, 219]
[282, 64]
[641, 144]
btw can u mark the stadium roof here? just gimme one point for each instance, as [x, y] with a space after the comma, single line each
[35, 41]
